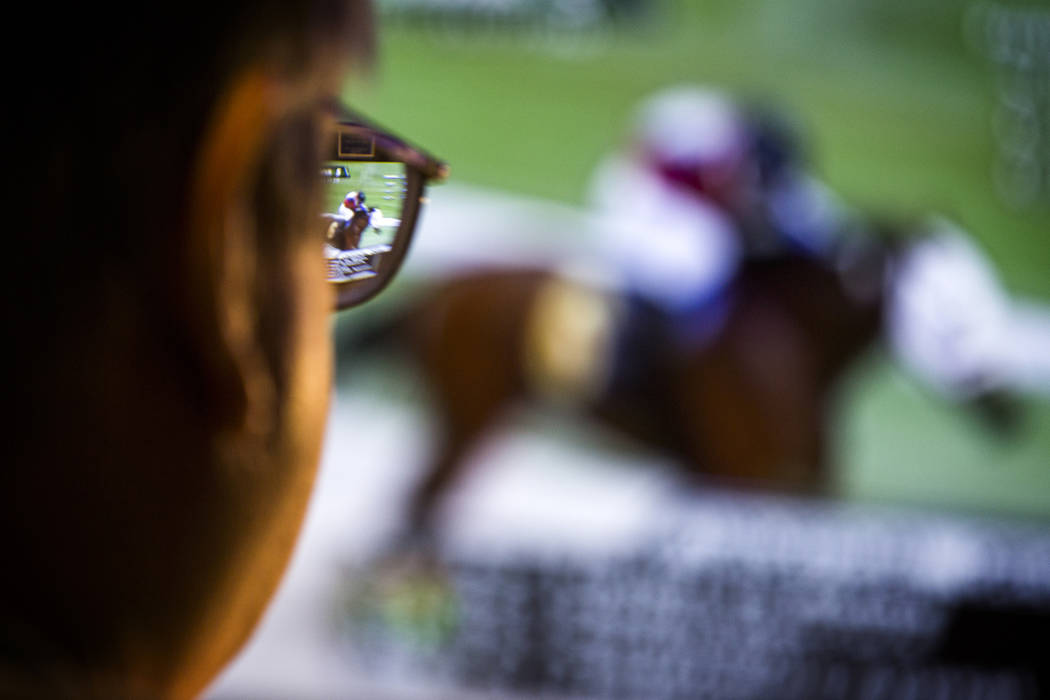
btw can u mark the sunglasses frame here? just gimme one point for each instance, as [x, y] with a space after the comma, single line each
[421, 168]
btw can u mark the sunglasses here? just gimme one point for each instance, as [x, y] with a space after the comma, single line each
[374, 184]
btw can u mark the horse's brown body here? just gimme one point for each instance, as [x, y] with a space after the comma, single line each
[346, 235]
[751, 404]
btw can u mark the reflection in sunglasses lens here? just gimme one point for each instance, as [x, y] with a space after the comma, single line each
[364, 201]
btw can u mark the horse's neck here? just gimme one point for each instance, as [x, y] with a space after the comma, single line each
[840, 311]
[862, 290]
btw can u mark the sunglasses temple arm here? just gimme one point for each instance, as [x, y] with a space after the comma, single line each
[431, 168]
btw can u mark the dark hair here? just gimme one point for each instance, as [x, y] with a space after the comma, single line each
[105, 132]
[101, 126]
[102, 122]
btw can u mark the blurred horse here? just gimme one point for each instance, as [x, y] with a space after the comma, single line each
[750, 404]
[344, 232]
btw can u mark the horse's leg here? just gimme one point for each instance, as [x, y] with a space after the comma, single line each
[470, 356]
[336, 235]
[355, 228]
[456, 438]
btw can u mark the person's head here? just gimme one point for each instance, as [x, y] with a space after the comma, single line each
[694, 138]
[777, 145]
[168, 313]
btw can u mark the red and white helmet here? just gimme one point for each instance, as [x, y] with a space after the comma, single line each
[695, 138]
[351, 200]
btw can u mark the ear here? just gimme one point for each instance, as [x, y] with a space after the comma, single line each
[220, 258]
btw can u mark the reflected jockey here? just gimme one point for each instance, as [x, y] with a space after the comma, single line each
[346, 228]
[353, 203]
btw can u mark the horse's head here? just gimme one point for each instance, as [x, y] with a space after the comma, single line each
[945, 315]
[924, 287]
[945, 308]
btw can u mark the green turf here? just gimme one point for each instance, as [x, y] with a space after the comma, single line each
[898, 111]
[897, 442]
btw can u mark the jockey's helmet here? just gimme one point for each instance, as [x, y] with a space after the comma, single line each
[694, 137]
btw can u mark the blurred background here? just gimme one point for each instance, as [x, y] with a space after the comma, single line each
[907, 108]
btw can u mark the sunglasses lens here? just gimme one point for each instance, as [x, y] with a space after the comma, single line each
[364, 205]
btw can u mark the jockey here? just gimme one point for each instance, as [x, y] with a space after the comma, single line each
[354, 201]
[800, 212]
[671, 242]
[709, 183]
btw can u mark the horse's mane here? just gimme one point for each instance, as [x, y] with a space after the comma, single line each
[821, 299]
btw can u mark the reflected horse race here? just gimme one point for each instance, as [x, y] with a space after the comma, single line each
[345, 232]
[748, 405]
